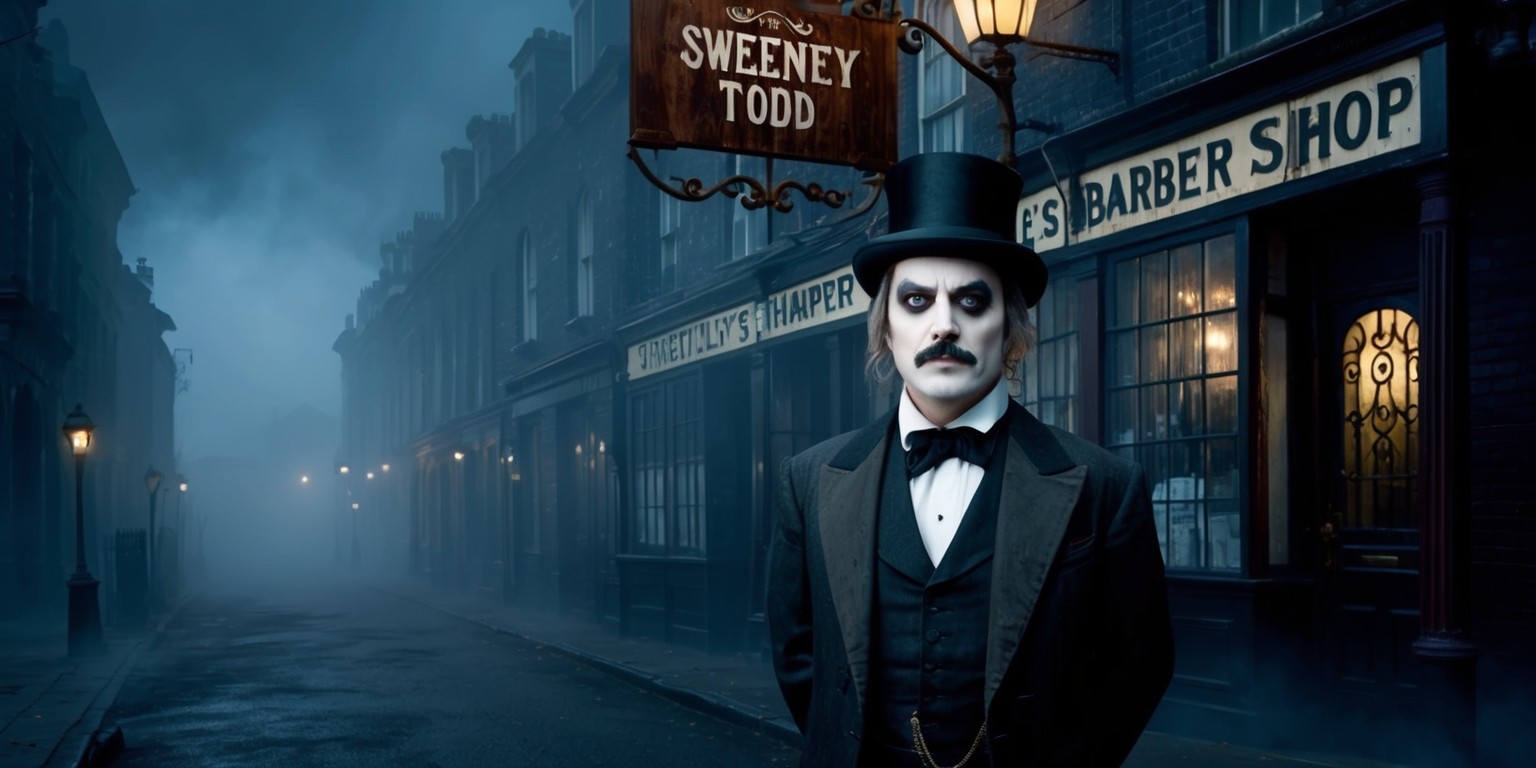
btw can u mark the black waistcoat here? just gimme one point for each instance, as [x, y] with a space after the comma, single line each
[929, 632]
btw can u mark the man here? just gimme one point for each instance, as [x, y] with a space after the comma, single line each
[960, 584]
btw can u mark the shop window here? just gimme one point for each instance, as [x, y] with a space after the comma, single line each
[1381, 427]
[1245, 23]
[941, 85]
[1172, 395]
[668, 475]
[1050, 373]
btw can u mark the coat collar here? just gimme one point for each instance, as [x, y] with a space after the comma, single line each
[1041, 485]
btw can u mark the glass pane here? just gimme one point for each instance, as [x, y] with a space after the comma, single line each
[1154, 460]
[1154, 353]
[1123, 358]
[1220, 273]
[1054, 374]
[1186, 347]
[1154, 287]
[1127, 290]
[1187, 409]
[1221, 343]
[1221, 468]
[1224, 537]
[1154, 413]
[1122, 417]
[1031, 376]
[1187, 273]
[1221, 405]
[1242, 24]
[1279, 15]
[1186, 459]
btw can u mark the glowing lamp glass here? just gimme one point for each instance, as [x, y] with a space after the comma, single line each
[1001, 20]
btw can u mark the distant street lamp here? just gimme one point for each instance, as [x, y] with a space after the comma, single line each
[152, 478]
[84, 612]
[357, 550]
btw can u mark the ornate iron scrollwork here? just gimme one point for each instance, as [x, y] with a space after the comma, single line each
[755, 194]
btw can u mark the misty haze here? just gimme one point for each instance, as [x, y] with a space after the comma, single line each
[408, 382]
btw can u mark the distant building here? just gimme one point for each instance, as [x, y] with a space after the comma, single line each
[1287, 244]
[76, 326]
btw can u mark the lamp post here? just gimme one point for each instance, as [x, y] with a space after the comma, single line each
[152, 478]
[84, 612]
[357, 550]
[1001, 23]
[180, 538]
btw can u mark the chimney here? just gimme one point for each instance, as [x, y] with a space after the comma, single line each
[542, 73]
[493, 139]
[145, 273]
[458, 182]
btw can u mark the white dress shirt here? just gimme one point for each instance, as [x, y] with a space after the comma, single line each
[941, 495]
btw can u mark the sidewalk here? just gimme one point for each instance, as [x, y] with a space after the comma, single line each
[740, 688]
[52, 706]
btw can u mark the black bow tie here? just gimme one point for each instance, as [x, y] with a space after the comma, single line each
[931, 447]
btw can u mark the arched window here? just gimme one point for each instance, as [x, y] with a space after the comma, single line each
[1381, 419]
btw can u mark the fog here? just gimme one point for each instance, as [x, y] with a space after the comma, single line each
[273, 147]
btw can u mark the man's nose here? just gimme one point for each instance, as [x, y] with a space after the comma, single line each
[944, 326]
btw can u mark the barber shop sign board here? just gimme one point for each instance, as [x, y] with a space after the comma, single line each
[767, 79]
[1359, 119]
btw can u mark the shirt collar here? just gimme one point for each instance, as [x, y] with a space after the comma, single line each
[982, 416]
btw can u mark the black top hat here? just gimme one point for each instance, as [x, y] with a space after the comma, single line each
[957, 205]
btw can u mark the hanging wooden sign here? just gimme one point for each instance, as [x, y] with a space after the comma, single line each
[770, 79]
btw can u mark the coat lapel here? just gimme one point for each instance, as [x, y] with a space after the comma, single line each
[1041, 485]
[847, 499]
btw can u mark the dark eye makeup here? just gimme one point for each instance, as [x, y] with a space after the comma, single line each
[973, 298]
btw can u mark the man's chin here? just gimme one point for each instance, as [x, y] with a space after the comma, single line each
[949, 392]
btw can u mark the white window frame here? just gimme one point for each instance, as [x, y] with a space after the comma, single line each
[1288, 13]
[669, 221]
[936, 62]
[749, 229]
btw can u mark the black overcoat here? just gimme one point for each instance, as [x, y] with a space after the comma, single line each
[1079, 646]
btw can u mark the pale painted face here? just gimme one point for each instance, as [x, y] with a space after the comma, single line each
[947, 323]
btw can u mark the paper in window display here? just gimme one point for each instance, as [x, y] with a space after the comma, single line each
[1180, 502]
[1184, 528]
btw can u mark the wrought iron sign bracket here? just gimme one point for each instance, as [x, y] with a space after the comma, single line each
[754, 193]
[1001, 78]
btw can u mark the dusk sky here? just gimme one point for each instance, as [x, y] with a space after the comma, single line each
[274, 146]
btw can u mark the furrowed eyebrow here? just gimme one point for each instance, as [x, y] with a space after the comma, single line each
[907, 286]
[978, 287]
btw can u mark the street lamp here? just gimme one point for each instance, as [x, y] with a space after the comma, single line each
[1001, 23]
[152, 478]
[357, 550]
[84, 612]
